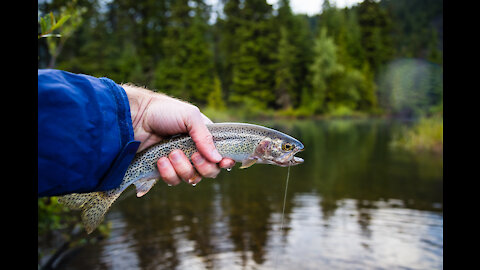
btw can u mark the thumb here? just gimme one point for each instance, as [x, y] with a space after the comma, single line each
[203, 138]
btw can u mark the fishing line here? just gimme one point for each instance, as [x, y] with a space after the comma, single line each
[285, 198]
[283, 212]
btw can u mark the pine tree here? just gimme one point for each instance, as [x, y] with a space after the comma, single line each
[375, 25]
[285, 57]
[199, 70]
[324, 65]
[368, 90]
[302, 41]
[215, 97]
[227, 43]
[284, 80]
[186, 70]
[253, 63]
[169, 70]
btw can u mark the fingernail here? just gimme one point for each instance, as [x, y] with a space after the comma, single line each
[194, 179]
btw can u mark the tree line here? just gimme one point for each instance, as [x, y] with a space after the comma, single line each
[257, 56]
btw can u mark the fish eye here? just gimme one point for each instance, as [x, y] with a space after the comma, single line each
[287, 147]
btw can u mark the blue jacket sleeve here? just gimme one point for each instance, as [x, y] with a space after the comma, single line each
[85, 134]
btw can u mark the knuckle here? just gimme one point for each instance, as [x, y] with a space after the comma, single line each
[197, 159]
[192, 110]
[207, 138]
[195, 109]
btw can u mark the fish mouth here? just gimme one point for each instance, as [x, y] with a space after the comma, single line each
[292, 161]
[297, 160]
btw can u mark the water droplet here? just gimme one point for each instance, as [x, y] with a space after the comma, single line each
[194, 185]
[169, 185]
[229, 169]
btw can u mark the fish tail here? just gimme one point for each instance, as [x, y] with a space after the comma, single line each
[94, 206]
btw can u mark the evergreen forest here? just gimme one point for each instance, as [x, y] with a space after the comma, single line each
[254, 59]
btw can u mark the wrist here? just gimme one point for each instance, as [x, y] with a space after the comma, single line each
[138, 100]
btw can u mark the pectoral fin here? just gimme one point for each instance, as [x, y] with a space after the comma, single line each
[248, 162]
[143, 186]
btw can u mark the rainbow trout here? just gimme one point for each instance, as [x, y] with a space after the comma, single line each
[245, 143]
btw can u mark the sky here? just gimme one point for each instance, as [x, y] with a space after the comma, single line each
[309, 7]
[312, 7]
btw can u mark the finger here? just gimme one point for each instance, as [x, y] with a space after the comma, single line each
[182, 165]
[167, 172]
[206, 120]
[226, 163]
[204, 167]
[203, 138]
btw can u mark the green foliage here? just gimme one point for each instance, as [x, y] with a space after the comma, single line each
[52, 215]
[48, 23]
[284, 80]
[411, 87]
[293, 57]
[375, 26]
[215, 97]
[340, 111]
[253, 62]
[60, 229]
[69, 19]
[417, 28]
[324, 66]
[186, 69]
[425, 135]
[264, 57]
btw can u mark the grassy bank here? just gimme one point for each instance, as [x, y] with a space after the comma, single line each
[425, 135]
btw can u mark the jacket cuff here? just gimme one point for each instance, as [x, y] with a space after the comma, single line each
[114, 175]
[123, 110]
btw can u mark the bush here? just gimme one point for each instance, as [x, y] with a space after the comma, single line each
[427, 135]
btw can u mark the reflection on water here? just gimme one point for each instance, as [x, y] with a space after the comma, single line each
[356, 203]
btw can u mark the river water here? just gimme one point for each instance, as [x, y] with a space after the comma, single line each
[356, 203]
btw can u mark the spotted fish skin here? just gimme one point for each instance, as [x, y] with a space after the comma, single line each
[242, 142]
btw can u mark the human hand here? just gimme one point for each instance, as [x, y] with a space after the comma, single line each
[156, 116]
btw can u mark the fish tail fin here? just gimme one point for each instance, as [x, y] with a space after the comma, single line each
[94, 206]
